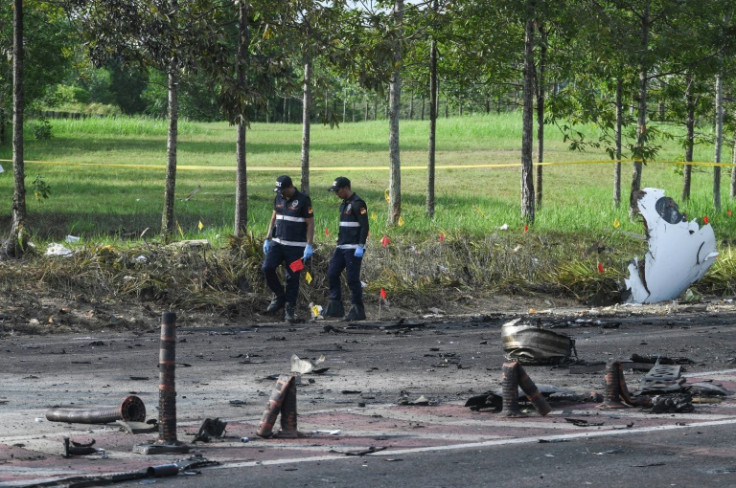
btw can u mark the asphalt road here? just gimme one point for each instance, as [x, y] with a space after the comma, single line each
[702, 457]
[356, 432]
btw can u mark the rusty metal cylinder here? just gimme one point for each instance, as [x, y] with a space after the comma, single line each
[532, 392]
[167, 380]
[510, 390]
[131, 410]
[275, 401]
[288, 412]
[612, 391]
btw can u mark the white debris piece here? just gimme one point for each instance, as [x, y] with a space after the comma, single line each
[56, 249]
[680, 252]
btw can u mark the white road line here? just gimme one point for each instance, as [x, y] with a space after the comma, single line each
[493, 443]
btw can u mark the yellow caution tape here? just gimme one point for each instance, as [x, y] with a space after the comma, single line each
[283, 169]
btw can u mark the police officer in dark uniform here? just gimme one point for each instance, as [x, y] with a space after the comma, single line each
[349, 252]
[289, 239]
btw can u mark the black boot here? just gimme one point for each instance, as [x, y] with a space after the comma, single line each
[290, 313]
[277, 303]
[334, 309]
[356, 312]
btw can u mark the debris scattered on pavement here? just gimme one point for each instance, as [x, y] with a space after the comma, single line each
[210, 428]
[706, 388]
[485, 402]
[364, 452]
[132, 409]
[617, 393]
[583, 422]
[72, 448]
[672, 403]
[679, 254]
[662, 378]
[281, 402]
[328, 432]
[422, 401]
[639, 358]
[149, 426]
[532, 344]
[304, 366]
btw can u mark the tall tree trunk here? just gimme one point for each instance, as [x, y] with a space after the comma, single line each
[345, 107]
[307, 89]
[411, 106]
[241, 179]
[2, 122]
[367, 109]
[167, 220]
[432, 122]
[540, 112]
[15, 244]
[733, 170]
[619, 124]
[718, 145]
[641, 130]
[422, 109]
[527, 170]
[689, 138]
[394, 203]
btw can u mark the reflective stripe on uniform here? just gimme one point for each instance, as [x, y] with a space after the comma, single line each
[289, 243]
[290, 218]
[348, 246]
[349, 224]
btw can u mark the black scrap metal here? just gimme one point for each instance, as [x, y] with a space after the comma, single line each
[72, 448]
[210, 428]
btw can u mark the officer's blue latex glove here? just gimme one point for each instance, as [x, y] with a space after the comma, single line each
[308, 251]
[359, 251]
[266, 246]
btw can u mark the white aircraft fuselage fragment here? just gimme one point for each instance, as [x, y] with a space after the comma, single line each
[679, 254]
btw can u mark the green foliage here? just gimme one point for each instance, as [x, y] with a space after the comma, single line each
[42, 130]
[41, 189]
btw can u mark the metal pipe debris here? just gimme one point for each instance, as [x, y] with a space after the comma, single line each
[131, 410]
[612, 393]
[510, 390]
[167, 383]
[532, 392]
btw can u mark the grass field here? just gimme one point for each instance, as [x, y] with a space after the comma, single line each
[107, 178]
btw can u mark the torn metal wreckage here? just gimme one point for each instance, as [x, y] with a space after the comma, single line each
[680, 252]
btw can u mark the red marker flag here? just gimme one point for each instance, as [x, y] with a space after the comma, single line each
[728, 212]
[383, 293]
[384, 241]
[526, 228]
[600, 268]
[327, 231]
[442, 237]
[705, 219]
[297, 266]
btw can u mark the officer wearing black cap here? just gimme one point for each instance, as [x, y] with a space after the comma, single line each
[348, 253]
[289, 239]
